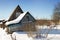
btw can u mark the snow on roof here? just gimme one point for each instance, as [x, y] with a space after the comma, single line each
[17, 20]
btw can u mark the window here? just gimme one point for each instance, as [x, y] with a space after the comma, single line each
[27, 18]
[17, 14]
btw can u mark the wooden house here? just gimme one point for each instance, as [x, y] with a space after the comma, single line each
[20, 21]
[24, 21]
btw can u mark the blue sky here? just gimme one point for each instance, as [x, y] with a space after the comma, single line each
[38, 8]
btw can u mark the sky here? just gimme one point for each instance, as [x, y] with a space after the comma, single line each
[39, 9]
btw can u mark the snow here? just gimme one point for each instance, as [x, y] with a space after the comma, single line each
[52, 30]
[14, 36]
[50, 37]
[17, 20]
[4, 35]
[21, 36]
[55, 35]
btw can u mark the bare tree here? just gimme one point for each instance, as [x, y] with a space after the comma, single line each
[56, 14]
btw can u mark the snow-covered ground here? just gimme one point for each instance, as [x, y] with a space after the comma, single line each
[14, 36]
[53, 34]
[21, 36]
[4, 35]
[51, 37]
[50, 29]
